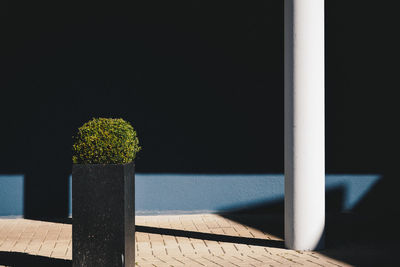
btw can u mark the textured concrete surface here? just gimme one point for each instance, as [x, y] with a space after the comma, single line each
[191, 240]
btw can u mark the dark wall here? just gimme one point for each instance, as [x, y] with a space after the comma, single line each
[202, 82]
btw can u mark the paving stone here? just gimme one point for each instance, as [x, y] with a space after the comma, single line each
[185, 249]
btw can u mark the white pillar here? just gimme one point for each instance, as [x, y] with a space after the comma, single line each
[304, 124]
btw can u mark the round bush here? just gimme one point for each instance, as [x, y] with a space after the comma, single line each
[105, 141]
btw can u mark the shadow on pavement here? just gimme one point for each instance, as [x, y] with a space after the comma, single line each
[362, 240]
[269, 216]
[366, 236]
[354, 239]
[19, 259]
[369, 235]
[211, 237]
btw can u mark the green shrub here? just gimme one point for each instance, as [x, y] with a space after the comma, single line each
[105, 141]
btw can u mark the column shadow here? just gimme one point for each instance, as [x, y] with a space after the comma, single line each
[365, 236]
[269, 216]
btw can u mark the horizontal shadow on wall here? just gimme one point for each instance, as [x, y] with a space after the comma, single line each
[19, 259]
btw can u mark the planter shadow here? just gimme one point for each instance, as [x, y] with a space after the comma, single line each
[212, 237]
[19, 259]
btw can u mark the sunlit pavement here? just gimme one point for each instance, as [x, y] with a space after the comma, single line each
[175, 240]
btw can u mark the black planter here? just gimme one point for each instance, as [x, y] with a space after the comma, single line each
[103, 214]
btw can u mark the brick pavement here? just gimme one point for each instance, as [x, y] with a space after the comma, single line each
[191, 240]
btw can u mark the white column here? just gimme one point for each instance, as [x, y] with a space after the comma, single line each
[304, 124]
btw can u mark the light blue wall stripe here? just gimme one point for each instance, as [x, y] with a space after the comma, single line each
[11, 195]
[196, 193]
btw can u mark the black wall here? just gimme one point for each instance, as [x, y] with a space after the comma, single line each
[202, 83]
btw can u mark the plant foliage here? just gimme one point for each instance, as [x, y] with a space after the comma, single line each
[105, 141]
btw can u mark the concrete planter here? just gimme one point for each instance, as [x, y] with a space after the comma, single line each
[103, 206]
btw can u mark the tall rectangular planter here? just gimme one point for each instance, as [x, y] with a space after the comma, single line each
[103, 215]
